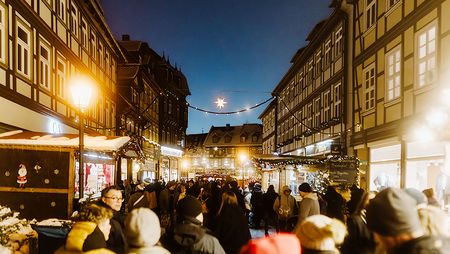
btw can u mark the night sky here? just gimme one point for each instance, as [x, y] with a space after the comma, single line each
[235, 49]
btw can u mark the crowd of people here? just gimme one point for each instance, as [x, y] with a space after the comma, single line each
[216, 217]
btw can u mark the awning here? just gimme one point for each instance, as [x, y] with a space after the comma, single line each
[94, 143]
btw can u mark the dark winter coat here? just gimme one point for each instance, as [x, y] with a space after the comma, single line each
[257, 200]
[190, 237]
[116, 241]
[268, 200]
[424, 245]
[359, 239]
[84, 237]
[232, 229]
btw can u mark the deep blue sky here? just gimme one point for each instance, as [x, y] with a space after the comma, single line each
[236, 49]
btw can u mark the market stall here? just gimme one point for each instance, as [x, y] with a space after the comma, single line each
[40, 170]
[318, 171]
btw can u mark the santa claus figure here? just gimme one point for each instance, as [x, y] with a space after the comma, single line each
[22, 177]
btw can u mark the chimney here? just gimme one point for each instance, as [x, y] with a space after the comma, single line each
[125, 37]
[228, 125]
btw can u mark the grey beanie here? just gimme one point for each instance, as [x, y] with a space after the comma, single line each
[392, 212]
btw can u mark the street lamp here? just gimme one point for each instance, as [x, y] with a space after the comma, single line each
[81, 89]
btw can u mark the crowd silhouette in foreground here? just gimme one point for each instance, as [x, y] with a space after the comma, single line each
[216, 217]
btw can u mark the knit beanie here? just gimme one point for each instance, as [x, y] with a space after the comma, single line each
[305, 187]
[319, 232]
[142, 227]
[418, 196]
[283, 243]
[189, 207]
[392, 212]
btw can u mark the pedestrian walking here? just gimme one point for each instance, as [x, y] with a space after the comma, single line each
[310, 203]
[285, 207]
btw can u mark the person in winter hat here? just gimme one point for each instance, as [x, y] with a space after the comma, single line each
[284, 206]
[320, 234]
[310, 203]
[283, 243]
[393, 217]
[143, 231]
[188, 235]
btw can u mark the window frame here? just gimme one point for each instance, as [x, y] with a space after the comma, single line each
[3, 33]
[317, 111]
[371, 90]
[318, 63]
[45, 63]
[390, 5]
[326, 105]
[62, 4]
[370, 12]
[21, 48]
[337, 100]
[396, 76]
[84, 36]
[327, 53]
[338, 44]
[74, 19]
[427, 80]
[61, 77]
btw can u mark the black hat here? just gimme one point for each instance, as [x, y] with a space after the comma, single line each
[392, 212]
[189, 207]
[305, 187]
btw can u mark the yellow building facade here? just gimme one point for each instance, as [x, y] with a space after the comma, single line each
[401, 69]
[43, 45]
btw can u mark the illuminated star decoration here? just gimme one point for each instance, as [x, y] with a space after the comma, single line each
[220, 103]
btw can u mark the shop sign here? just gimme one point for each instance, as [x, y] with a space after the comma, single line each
[167, 151]
[343, 171]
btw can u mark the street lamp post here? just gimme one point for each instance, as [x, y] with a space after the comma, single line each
[81, 89]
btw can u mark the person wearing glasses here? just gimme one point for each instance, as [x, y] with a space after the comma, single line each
[112, 198]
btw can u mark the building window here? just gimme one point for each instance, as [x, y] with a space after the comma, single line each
[215, 139]
[337, 101]
[370, 13]
[317, 112]
[318, 67]
[3, 38]
[107, 67]
[60, 77]
[74, 20]
[255, 137]
[93, 46]
[327, 55]
[44, 66]
[338, 42]
[391, 3]
[61, 9]
[243, 138]
[227, 139]
[84, 35]
[23, 50]
[369, 87]
[100, 54]
[426, 55]
[326, 106]
[310, 73]
[107, 114]
[309, 115]
[393, 74]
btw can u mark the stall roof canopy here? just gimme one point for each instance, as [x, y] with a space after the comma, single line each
[95, 143]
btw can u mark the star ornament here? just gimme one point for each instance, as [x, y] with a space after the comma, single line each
[220, 103]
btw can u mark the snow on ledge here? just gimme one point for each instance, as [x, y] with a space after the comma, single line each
[96, 143]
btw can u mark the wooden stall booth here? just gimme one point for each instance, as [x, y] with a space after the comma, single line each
[318, 171]
[39, 173]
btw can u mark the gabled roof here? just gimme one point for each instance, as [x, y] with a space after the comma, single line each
[195, 140]
[216, 135]
[127, 71]
[95, 143]
[316, 29]
[131, 45]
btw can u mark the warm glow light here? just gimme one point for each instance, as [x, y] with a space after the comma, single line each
[436, 118]
[220, 103]
[185, 164]
[242, 157]
[445, 95]
[423, 134]
[81, 88]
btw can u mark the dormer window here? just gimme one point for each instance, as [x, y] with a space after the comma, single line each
[215, 139]
[227, 139]
[243, 138]
[255, 138]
